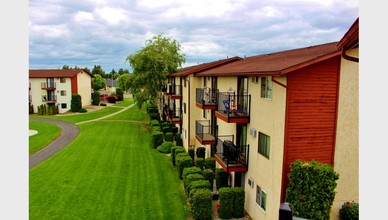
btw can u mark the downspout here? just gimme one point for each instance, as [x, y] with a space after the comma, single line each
[188, 110]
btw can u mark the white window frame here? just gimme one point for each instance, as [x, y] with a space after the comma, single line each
[267, 142]
[266, 88]
[260, 199]
[63, 92]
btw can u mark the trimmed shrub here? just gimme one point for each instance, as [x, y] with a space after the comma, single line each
[311, 191]
[221, 178]
[210, 163]
[238, 202]
[191, 152]
[155, 116]
[226, 203]
[173, 149]
[178, 139]
[183, 162]
[200, 162]
[111, 99]
[169, 136]
[181, 151]
[349, 211]
[82, 110]
[166, 147]
[191, 178]
[198, 184]
[174, 130]
[201, 151]
[156, 139]
[190, 170]
[202, 204]
[96, 98]
[120, 94]
[76, 103]
[209, 176]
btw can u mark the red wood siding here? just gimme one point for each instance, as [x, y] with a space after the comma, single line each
[311, 115]
[74, 85]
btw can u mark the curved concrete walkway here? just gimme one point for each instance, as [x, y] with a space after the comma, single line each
[69, 131]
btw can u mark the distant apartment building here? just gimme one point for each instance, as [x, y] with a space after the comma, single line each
[273, 109]
[56, 86]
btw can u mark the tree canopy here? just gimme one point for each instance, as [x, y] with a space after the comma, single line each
[98, 82]
[151, 65]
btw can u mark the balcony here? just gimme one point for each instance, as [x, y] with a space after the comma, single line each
[174, 91]
[230, 157]
[206, 98]
[48, 86]
[203, 132]
[49, 99]
[233, 108]
[174, 116]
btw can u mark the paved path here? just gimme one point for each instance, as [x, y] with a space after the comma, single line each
[69, 131]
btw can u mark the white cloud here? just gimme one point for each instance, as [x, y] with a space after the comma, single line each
[49, 31]
[83, 16]
[201, 48]
[112, 15]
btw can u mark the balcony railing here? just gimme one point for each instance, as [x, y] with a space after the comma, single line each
[174, 116]
[207, 98]
[231, 157]
[233, 108]
[48, 86]
[203, 132]
[175, 91]
[49, 99]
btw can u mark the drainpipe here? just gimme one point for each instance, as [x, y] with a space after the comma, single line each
[277, 82]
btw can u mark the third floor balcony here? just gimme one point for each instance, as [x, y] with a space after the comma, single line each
[206, 98]
[233, 108]
[174, 91]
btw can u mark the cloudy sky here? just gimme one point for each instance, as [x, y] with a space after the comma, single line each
[104, 32]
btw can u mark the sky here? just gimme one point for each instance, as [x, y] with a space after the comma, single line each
[104, 32]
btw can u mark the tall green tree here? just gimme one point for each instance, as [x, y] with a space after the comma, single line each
[151, 65]
[98, 70]
[98, 82]
[123, 81]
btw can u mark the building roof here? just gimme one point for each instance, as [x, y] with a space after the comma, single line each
[350, 39]
[110, 82]
[202, 67]
[45, 73]
[276, 63]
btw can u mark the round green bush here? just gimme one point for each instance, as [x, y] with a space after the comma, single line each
[349, 211]
[166, 147]
[191, 170]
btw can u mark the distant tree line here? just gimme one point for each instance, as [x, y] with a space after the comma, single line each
[97, 69]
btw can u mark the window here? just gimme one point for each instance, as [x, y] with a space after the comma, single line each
[266, 88]
[63, 105]
[264, 143]
[63, 92]
[62, 80]
[261, 197]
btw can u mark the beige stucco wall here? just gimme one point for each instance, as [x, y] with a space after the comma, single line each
[224, 84]
[36, 92]
[84, 88]
[185, 123]
[65, 86]
[268, 117]
[346, 159]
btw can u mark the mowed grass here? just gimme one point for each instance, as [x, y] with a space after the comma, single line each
[46, 133]
[108, 172]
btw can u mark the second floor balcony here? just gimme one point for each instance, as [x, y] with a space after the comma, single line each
[206, 98]
[174, 116]
[48, 85]
[231, 157]
[233, 108]
[204, 132]
[174, 91]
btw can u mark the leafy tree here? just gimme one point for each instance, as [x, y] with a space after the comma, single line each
[123, 81]
[98, 70]
[65, 67]
[151, 65]
[98, 82]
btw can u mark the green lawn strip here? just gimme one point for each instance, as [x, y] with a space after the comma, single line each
[132, 114]
[108, 172]
[46, 133]
[126, 102]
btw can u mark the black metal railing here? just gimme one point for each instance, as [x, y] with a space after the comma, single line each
[207, 96]
[234, 105]
[175, 115]
[231, 154]
[49, 85]
[203, 130]
[51, 99]
[175, 90]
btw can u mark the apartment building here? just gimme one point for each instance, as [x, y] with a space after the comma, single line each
[56, 86]
[259, 114]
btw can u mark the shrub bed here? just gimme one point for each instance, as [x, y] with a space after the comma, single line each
[202, 204]
[156, 139]
[226, 203]
[166, 147]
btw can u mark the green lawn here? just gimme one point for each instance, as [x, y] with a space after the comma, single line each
[108, 172]
[46, 133]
